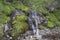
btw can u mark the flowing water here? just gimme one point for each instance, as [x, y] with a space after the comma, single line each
[34, 21]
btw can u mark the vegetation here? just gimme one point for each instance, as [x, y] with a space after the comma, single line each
[53, 17]
[1, 30]
[20, 23]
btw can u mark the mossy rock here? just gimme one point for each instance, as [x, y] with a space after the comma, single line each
[20, 18]
[20, 25]
[41, 27]
[19, 28]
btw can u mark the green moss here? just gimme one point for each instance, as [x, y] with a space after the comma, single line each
[56, 12]
[5, 10]
[20, 18]
[40, 9]
[53, 19]
[20, 6]
[19, 28]
[3, 18]
[50, 24]
[20, 25]
[38, 4]
[1, 32]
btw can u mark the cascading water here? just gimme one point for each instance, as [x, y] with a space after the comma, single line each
[34, 21]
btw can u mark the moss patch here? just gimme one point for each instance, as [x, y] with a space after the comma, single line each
[20, 25]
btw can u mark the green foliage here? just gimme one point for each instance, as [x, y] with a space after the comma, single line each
[40, 9]
[50, 24]
[20, 25]
[4, 19]
[5, 10]
[39, 5]
[37, 2]
[20, 18]
[20, 6]
[20, 22]
[56, 12]
[53, 19]
[1, 32]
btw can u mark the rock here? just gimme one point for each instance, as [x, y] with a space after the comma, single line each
[29, 33]
[51, 36]
[46, 35]
[55, 30]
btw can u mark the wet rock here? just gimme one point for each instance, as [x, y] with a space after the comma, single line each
[29, 33]
[55, 30]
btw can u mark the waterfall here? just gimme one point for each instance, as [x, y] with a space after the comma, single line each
[34, 21]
